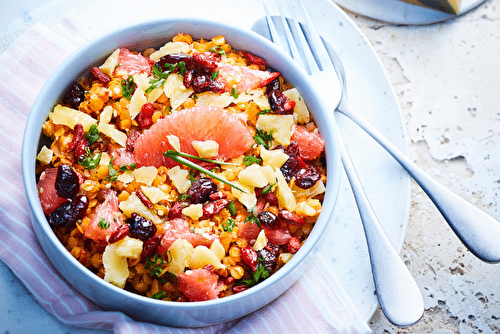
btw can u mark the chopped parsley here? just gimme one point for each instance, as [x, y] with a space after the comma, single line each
[251, 159]
[252, 218]
[231, 208]
[229, 225]
[267, 189]
[93, 134]
[263, 138]
[215, 75]
[128, 87]
[258, 275]
[218, 49]
[159, 295]
[103, 223]
[155, 265]
[184, 197]
[111, 172]
[234, 93]
[264, 112]
[129, 167]
[90, 161]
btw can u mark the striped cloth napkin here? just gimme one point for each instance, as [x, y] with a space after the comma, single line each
[316, 303]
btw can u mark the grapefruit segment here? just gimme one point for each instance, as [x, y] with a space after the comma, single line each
[106, 218]
[311, 143]
[47, 191]
[243, 78]
[131, 63]
[178, 228]
[194, 124]
[199, 284]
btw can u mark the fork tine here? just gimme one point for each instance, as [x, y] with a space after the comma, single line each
[316, 41]
[311, 62]
[290, 39]
[272, 29]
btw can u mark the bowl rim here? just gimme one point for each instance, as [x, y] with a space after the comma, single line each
[29, 152]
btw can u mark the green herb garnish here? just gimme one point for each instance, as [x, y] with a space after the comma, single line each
[234, 93]
[258, 275]
[251, 159]
[232, 208]
[184, 197]
[128, 87]
[103, 223]
[218, 49]
[180, 158]
[215, 75]
[267, 189]
[129, 167]
[229, 225]
[93, 134]
[263, 138]
[111, 172]
[264, 112]
[252, 218]
[90, 161]
[154, 265]
[159, 295]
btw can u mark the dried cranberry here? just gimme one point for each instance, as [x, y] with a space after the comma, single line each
[239, 288]
[280, 103]
[253, 59]
[132, 137]
[204, 83]
[208, 60]
[144, 199]
[291, 167]
[75, 96]
[175, 211]
[120, 233]
[217, 195]
[140, 227]
[80, 150]
[67, 184]
[291, 218]
[174, 59]
[307, 177]
[268, 220]
[187, 80]
[249, 257]
[151, 246]
[201, 190]
[270, 255]
[293, 245]
[212, 208]
[69, 212]
[78, 136]
[145, 116]
[100, 75]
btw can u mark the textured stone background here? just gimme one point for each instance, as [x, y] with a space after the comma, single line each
[447, 78]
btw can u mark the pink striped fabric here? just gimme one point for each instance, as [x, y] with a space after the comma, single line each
[316, 303]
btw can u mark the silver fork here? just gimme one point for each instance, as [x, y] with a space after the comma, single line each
[397, 292]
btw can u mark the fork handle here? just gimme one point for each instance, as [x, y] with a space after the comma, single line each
[477, 230]
[398, 293]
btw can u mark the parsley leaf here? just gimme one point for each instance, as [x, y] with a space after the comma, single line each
[128, 87]
[218, 49]
[263, 138]
[154, 265]
[231, 208]
[234, 93]
[159, 295]
[229, 225]
[252, 218]
[111, 172]
[93, 134]
[251, 159]
[103, 223]
[215, 75]
[129, 167]
[267, 189]
[90, 161]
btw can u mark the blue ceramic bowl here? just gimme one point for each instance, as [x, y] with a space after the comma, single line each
[181, 314]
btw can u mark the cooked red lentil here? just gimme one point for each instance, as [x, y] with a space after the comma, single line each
[184, 173]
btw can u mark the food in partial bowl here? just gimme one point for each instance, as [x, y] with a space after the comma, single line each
[186, 165]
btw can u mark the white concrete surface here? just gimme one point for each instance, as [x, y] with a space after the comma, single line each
[447, 77]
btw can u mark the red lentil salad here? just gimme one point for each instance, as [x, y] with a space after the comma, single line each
[185, 173]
